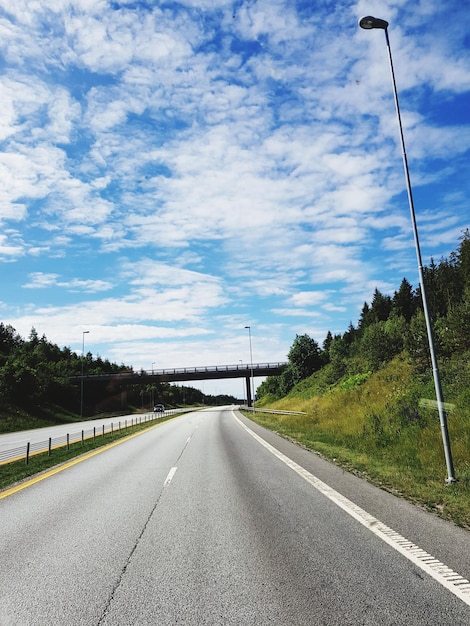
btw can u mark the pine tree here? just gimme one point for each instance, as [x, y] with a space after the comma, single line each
[404, 302]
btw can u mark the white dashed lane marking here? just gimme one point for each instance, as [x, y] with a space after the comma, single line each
[169, 478]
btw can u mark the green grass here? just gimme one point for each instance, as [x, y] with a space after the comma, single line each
[17, 471]
[374, 425]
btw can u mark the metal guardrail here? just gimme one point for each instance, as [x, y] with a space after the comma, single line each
[25, 451]
[274, 411]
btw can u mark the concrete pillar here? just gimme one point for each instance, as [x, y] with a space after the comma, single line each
[248, 391]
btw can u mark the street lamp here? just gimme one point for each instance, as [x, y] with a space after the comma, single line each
[85, 332]
[369, 23]
[252, 380]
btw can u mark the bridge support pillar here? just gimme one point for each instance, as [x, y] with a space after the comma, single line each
[248, 391]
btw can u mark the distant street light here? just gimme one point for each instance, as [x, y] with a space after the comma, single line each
[252, 380]
[369, 23]
[85, 332]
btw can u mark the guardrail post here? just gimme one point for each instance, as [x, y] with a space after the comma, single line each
[49, 448]
[68, 441]
[94, 433]
[103, 431]
[27, 453]
[83, 437]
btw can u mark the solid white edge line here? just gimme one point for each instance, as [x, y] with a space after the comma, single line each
[451, 580]
[171, 473]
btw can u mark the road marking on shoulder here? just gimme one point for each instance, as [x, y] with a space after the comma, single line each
[169, 478]
[448, 578]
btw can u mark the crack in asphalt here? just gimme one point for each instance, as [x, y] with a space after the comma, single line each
[139, 538]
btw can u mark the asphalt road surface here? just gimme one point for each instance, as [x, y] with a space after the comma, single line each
[13, 445]
[198, 521]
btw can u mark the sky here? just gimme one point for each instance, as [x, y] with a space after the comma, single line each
[173, 172]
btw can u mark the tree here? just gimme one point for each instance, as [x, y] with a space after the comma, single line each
[416, 342]
[404, 302]
[463, 259]
[448, 284]
[326, 345]
[430, 282]
[304, 357]
[381, 306]
[286, 381]
[396, 329]
[351, 336]
[376, 346]
[9, 340]
[453, 331]
[270, 387]
[366, 318]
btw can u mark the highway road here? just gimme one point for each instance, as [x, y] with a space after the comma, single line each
[210, 519]
[13, 445]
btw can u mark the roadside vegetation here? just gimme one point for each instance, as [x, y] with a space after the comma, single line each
[368, 395]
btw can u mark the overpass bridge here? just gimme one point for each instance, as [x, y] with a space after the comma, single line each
[185, 374]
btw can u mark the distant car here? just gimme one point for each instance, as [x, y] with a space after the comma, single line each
[159, 408]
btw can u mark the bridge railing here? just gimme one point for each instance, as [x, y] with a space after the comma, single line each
[242, 367]
[175, 371]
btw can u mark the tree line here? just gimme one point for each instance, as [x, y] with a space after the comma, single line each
[388, 326]
[36, 376]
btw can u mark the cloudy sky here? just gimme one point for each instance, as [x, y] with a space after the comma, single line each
[171, 172]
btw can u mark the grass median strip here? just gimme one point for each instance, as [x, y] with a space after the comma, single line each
[18, 475]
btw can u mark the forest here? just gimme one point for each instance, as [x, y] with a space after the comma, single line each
[389, 326]
[40, 380]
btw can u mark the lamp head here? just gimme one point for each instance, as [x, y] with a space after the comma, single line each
[370, 22]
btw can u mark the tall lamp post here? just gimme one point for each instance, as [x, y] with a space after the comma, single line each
[252, 381]
[85, 332]
[369, 23]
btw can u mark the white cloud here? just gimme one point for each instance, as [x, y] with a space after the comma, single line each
[39, 280]
[303, 298]
[201, 165]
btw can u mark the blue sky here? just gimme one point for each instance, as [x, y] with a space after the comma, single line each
[172, 172]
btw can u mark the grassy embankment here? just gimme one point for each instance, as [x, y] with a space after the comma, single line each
[378, 426]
